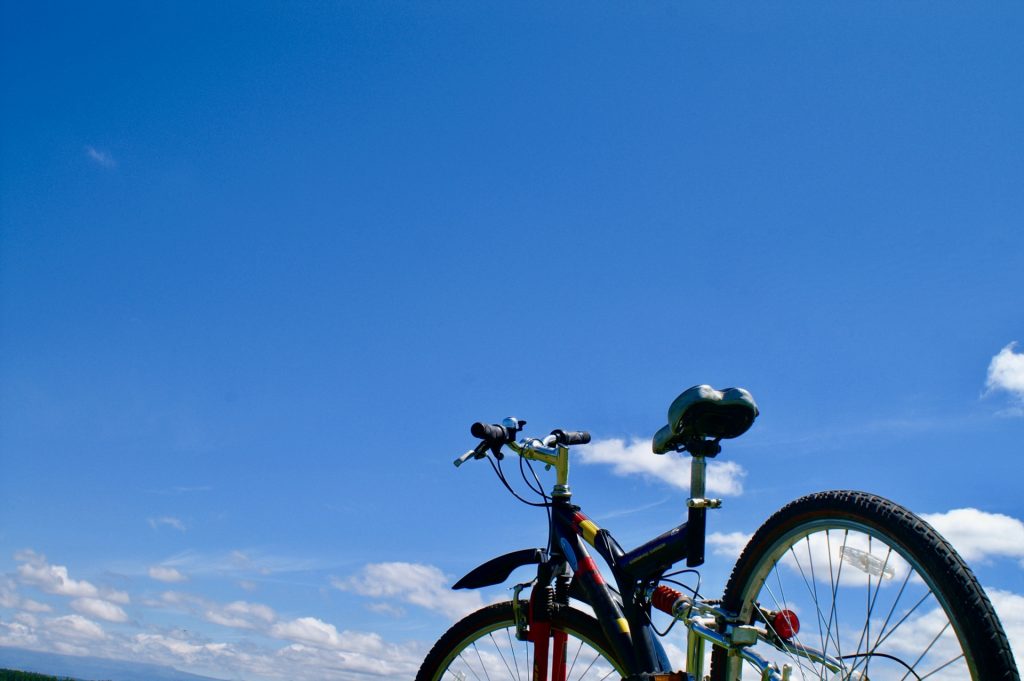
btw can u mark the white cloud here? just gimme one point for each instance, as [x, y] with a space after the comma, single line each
[99, 608]
[9, 598]
[18, 635]
[308, 630]
[636, 458]
[76, 627]
[415, 583]
[35, 606]
[53, 579]
[977, 535]
[26, 618]
[166, 574]
[115, 595]
[317, 649]
[169, 521]
[177, 646]
[36, 571]
[1006, 371]
[728, 544]
[101, 157]
[313, 650]
[240, 615]
[8, 593]
[392, 662]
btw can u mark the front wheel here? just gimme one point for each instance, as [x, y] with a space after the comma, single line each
[879, 596]
[483, 645]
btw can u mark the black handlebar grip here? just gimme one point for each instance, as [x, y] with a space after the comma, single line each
[571, 437]
[489, 432]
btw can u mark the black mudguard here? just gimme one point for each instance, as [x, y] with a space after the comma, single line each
[497, 570]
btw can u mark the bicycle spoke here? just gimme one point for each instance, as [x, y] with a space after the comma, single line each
[872, 600]
[785, 601]
[529, 667]
[833, 580]
[502, 655]
[512, 647]
[813, 588]
[578, 649]
[888, 616]
[589, 666]
[925, 652]
[469, 667]
[482, 665]
[905, 616]
[799, 660]
[865, 633]
[939, 669]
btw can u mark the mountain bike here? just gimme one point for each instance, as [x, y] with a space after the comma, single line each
[835, 586]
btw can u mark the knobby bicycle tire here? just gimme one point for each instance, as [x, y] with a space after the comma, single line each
[877, 541]
[483, 646]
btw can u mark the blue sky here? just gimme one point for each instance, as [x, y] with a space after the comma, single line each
[261, 265]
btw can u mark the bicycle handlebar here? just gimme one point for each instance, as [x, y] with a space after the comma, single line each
[571, 437]
[490, 432]
[494, 436]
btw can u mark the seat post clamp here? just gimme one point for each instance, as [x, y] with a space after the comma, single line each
[703, 503]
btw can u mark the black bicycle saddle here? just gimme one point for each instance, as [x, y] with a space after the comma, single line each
[701, 412]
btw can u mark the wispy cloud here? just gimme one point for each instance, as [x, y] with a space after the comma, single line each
[100, 609]
[413, 583]
[314, 642]
[241, 615]
[306, 648]
[169, 521]
[162, 573]
[635, 458]
[728, 544]
[101, 157]
[620, 512]
[240, 564]
[1006, 373]
[236, 615]
[10, 598]
[77, 627]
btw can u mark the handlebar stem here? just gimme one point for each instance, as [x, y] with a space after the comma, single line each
[557, 456]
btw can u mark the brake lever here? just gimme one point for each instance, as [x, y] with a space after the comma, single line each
[478, 452]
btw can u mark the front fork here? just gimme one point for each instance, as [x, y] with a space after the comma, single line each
[534, 625]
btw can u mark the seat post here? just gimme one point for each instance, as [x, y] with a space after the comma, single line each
[696, 523]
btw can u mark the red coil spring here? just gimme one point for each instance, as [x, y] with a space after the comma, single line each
[664, 598]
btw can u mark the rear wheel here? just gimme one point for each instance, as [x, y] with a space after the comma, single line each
[483, 646]
[875, 589]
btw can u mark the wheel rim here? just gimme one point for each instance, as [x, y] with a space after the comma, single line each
[863, 599]
[494, 653]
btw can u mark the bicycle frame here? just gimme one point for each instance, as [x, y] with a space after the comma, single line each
[626, 620]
